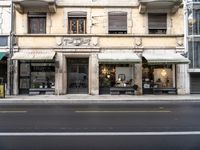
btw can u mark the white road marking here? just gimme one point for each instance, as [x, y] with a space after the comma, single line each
[99, 133]
[123, 111]
[12, 111]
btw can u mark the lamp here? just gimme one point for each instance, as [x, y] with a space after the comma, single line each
[191, 20]
[104, 70]
[163, 72]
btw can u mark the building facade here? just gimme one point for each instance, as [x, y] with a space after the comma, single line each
[5, 30]
[99, 47]
[192, 22]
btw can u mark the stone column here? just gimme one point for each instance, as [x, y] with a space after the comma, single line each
[15, 77]
[93, 75]
[138, 78]
[182, 79]
[60, 71]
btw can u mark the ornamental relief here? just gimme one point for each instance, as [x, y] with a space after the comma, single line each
[179, 42]
[76, 41]
[138, 42]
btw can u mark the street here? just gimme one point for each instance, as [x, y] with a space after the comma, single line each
[143, 126]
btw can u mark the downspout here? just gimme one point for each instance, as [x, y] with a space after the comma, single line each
[186, 50]
[10, 65]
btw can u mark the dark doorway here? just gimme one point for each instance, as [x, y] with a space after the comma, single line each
[77, 76]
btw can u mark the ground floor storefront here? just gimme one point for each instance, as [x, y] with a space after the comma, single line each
[195, 82]
[112, 72]
[3, 69]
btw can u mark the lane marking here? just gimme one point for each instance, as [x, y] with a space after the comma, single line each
[13, 111]
[121, 111]
[99, 133]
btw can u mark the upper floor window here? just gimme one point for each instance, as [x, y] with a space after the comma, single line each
[37, 23]
[194, 53]
[77, 22]
[3, 40]
[117, 22]
[157, 23]
[194, 22]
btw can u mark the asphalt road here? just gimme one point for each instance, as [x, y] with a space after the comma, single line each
[132, 126]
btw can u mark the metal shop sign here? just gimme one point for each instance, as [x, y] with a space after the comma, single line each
[2, 91]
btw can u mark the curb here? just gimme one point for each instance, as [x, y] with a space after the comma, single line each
[97, 101]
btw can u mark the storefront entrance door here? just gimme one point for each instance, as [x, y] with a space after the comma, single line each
[77, 76]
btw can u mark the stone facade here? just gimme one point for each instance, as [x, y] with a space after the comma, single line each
[97, 40]
[5, 29]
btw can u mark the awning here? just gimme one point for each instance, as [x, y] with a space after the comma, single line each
[165, 57]
[2, 54]
[118, 58]
[34, 55]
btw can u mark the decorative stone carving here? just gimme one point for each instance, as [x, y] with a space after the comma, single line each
[138, 42]
[179, 42]
[76, 41]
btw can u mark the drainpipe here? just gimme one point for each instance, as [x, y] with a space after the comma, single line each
[10, 63]
[186, 51]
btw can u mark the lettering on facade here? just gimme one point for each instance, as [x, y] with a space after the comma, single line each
[78, 41]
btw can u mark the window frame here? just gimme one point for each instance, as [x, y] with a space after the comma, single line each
[160, 29]
[70, 30]
[41, 19]
[121, 14]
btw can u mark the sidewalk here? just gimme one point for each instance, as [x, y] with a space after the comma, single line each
[82, 98]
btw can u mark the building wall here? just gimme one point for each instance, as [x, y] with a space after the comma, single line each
[192, 42]
[5, 17]
[136, 40]
[5, 29]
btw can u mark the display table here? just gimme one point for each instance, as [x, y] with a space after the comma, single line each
[37, 91]
[122, 90]
[165, 91]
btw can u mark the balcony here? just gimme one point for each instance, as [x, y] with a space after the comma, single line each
[27, 5]
[171, 5]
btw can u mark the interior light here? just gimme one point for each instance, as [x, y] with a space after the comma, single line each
[163, 73]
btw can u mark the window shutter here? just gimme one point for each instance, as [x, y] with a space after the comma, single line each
[117, 21]
[77, 14]
[157, 21]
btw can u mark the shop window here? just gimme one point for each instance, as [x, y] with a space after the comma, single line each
[114, 75]
[42, 75]
[156, 76]
[3, 68]
[77, 22]
[117, 23]
[36, 75]
[157, 23]
[37, 23]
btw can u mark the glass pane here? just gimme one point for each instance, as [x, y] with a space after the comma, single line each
[37, 25]
[74, 26]
[194, 54]
[42, 75]
[24, 83]
[77, 75]
[24, 70]
[81, 26]
[3, 40]
[42, 25]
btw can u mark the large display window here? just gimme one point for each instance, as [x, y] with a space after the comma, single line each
[155, 77]
[115, 75]
[36, 76]
[42, 75]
